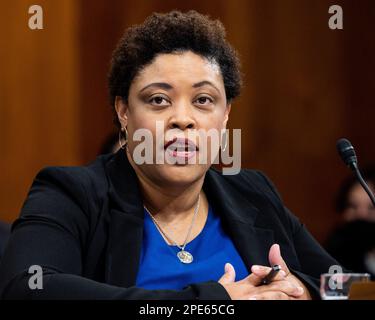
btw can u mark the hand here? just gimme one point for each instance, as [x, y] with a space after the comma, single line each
[283, 287]
[250, 289]
[275, 257]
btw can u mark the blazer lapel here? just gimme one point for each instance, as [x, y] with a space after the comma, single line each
[126, 223]
[239, 218]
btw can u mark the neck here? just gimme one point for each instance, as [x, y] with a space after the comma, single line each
[169, 202]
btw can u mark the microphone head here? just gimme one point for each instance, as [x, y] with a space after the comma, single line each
[346, 152]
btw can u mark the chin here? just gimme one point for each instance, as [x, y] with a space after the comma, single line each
[182, 174]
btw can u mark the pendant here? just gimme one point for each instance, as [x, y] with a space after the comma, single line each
[185, 256]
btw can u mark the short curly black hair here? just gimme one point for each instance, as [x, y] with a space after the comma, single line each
[167, 33]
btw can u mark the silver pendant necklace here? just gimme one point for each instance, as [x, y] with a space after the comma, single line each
[183, 255]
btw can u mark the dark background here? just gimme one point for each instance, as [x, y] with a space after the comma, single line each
[305, 87]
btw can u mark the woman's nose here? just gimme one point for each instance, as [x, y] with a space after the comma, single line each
[182, 125]
[182, 118]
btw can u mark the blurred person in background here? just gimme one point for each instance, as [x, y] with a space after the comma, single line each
[352, 243]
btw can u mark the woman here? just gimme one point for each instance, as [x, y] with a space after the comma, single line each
[122, 229]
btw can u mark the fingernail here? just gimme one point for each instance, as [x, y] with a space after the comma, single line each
[258, 268]
[226, 267]
[283, 273]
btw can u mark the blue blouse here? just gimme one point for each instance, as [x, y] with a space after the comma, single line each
[160, 267]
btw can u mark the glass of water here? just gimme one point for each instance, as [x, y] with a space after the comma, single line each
[336, 286]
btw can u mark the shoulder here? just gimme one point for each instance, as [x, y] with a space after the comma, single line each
[255, 188]
[83, 181]
[67, 193]
[95, 170]
[66, 198]
[249, 181]
[4, 234]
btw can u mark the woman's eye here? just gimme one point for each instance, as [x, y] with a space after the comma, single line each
[159, 101]
[204, 100]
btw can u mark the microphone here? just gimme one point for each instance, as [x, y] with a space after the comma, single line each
[347, 154]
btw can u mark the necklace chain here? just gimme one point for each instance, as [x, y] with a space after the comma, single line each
[190, 228]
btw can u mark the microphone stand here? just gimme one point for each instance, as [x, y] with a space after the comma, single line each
[355, 169]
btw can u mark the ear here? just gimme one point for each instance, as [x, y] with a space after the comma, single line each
[122, 111]
[226, 115]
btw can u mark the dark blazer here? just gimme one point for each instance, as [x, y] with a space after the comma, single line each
[84, 226]
[4, 235]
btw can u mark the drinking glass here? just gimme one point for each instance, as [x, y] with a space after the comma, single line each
[336, 286]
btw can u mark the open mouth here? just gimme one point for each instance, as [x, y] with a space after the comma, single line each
[181, 148]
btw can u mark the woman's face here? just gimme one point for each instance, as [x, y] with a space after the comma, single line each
[185, 92]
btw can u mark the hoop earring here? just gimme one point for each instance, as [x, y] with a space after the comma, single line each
[226, 141]
[120, 134]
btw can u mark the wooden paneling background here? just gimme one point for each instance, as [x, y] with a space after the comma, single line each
[39, 96]
[305, 87]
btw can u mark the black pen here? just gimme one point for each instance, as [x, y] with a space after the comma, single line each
[271, 275]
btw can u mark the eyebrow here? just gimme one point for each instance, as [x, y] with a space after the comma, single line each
[166, 86]
[205, 82]
[161, 85]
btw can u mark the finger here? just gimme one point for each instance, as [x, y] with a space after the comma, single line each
[262, 271]
[275, 257]
[270, 295]
[253, 279]
[229, 274]
[257, 276]
[284, 286]
[259, 272]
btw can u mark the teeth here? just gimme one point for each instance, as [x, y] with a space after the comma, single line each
[182, 148]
